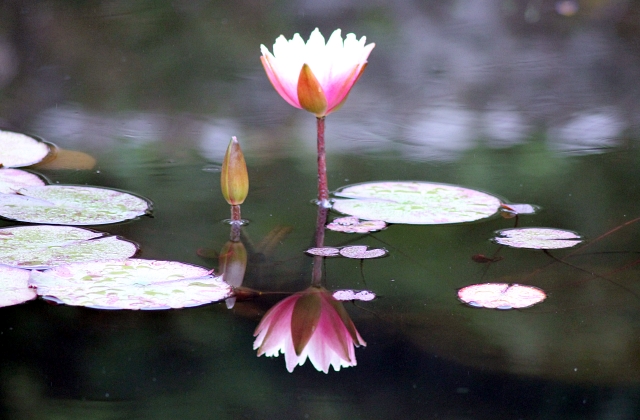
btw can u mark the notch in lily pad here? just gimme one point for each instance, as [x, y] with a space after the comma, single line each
[45, 246]
[75, 205]
[501, 296]
[18, 150]
[351, 224]
[130, 284]
[415, 202]
[537, 238]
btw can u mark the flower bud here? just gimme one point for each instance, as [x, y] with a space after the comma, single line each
[234, 178]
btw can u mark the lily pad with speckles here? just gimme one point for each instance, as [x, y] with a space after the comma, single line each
[14, 286]
[130, 284]
[44, 246]
[17, 149]
[501, 295]
[11, 180]
[537, 238]
[414, 202]
[72, 205]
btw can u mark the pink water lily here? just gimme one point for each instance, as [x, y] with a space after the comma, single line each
[312, 324]
[316, 76]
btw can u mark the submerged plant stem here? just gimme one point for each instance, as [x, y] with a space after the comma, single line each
[323, 187]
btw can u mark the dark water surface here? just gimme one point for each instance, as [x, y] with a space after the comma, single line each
[522, 100]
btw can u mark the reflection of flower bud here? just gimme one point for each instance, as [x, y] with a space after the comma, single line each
[234, 178]
[313, 324]
[232, 264]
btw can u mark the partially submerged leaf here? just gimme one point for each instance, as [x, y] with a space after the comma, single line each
[501, 295]
[537, 238]
[14, 286]
[72, 205]
[130, 284]
[11, 180]
[326, 251]
[17, 149]
[352, 224]
[69, 159]
[512, 210]
[360, 252]
[413, 202]
[44, 246]
[363, 295]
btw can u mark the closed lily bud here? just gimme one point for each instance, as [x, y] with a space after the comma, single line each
[234, 178]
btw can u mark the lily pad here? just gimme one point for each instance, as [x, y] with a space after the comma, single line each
[361, 252]
[17, 149]
[43, 246]
[11, 180]
[14, 286]
[537, 238]
[501, 295]
[72, 205]
[512, 210]
[326, 251]
[363, 295]
[130, 284]
[350, 224]
[414, 202]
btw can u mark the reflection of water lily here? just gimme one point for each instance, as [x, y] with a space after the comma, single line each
[316, 76]
[310, 324]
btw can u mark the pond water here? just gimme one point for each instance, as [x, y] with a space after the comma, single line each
[534, 102]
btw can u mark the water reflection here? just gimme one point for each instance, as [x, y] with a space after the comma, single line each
[310, 324]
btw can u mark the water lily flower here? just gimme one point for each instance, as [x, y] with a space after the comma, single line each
[312, 324]
[234, 178]
[316, 76]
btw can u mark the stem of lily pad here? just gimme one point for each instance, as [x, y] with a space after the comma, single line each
[235, 213]
[323, 188]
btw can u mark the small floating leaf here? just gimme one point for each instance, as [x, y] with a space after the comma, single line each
[350, 224]
[501, 295]
[130, 284]
[43, 246]
[14, 286]
[17, 149]
[537, 238]
[413, 202]
[363, 295]
[360, 252]
[326, 251]
[71, 205]
[69, 159]
[11, 180]
[512, 210]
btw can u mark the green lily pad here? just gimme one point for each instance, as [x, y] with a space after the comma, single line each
[11, 180]
[17, 149]
[414, 202]
[72, 205]
[537, 238]
[130, 284]
[44, 246]
[14, 286]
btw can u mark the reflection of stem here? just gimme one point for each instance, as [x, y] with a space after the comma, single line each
[562, 261]
[236, 231]
[323, 187]
[235, 213]
[316, 275]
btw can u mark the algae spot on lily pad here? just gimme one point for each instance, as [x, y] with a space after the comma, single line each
[44, 246]
[17, 149]
[14, 286]
[11, 180]
[537, 238]
[130, 284]
[72, 205]
[414, 202]
[501, 295]
[363, 295]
